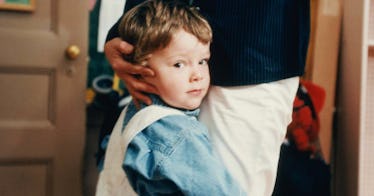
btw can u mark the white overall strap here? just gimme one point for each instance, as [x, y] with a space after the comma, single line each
[143, 119]
[112, 179]
[112, 157]
[139, 122]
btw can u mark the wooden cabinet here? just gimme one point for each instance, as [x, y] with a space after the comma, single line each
[322, 62]
[354, 163]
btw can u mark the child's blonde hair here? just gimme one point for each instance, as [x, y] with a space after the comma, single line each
[150, 26]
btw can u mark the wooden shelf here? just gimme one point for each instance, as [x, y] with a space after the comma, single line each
[354, 171]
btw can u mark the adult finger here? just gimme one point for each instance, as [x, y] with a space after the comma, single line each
[137, 70]
[137, 84]
[138, 97]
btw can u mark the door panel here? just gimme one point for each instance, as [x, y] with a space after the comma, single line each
[42, 108]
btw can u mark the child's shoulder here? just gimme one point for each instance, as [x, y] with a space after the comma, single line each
[171, 117]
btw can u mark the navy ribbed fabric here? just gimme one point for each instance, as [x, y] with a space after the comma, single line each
[254, 41]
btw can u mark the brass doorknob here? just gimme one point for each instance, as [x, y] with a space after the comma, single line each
[72, 52]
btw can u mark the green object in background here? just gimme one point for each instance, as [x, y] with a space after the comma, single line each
[26, 2]
[98, 64]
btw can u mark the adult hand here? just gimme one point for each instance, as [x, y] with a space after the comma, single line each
[114, 50]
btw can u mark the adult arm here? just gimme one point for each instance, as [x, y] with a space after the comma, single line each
[114, 49]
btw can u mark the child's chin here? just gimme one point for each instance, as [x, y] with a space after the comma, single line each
[189, 107]
[193, 107]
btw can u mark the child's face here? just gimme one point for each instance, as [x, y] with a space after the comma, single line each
[181, 71]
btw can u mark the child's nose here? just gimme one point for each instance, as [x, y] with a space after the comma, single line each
[196, 75]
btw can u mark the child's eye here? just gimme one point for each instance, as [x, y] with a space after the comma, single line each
[178, 65]
[203, 62]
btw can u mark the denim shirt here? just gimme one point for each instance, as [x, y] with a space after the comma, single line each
[173, 156]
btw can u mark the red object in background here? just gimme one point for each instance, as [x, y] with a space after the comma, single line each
[304, 129]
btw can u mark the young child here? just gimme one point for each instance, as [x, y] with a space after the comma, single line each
[173, 155]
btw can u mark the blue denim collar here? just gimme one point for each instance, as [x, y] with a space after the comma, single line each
[156, 100]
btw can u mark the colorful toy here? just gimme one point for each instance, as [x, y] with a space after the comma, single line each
[302, 169]
[304, 128]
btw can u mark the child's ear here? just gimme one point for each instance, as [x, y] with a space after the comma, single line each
[144, 61]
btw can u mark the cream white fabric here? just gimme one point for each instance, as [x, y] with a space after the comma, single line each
[110, 12]
[112, 179]
[247, 126]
